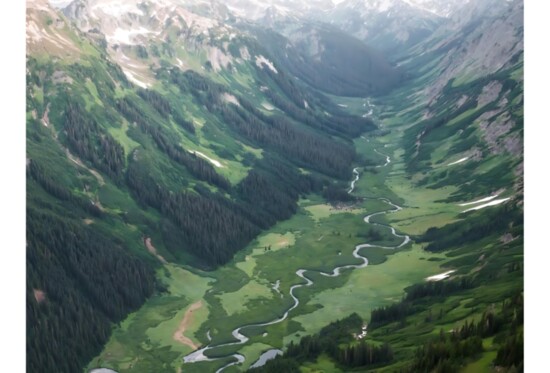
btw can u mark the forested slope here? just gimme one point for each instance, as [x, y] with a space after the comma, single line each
[198, 165]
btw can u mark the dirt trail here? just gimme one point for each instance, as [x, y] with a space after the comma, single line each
[153, 250]
[78, 162]
[178, 334]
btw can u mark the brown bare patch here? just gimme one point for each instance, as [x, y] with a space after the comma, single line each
[88, 221]
[39, 295]
[178, 334]
[282, 242]
[153, 250]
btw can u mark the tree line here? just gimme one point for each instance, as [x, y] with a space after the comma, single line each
[496, 221]
[398, 311]
[213, 227]
[335, 340]
[85, 281]
[305, 148]
[293, 103]
[91, 142]
[449, 351]
[197, 166]
[37, 172]
[165, 108]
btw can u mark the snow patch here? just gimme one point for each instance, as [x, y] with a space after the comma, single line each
[439, 277]
[268, 106]
[459, 161]
[366, 115]
[213, 161]
[486, 199]
[117, 8]
[229, 98]
[135, 80]
[261, 60]
[125, 36]
[492, 203]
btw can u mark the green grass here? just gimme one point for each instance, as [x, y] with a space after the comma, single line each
[264, 244]
[120, 134]
[244, 294]
[323, 211]
[144, 339]
[318, 238]
[323, 364]
[253, 353]
[371, 287]
[237, 301]
[38, 93]
[92, 89]
[482, 365]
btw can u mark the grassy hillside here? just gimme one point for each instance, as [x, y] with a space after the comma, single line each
[456, 168]
[175, 189]
[188, 170]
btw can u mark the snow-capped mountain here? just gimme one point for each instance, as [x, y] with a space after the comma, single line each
[135, 31]
[441, 8]
[384, 24]
[201, 34]
[125, 21]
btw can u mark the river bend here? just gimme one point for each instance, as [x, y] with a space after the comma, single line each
[199, 355]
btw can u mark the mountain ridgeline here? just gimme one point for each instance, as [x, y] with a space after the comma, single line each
[166, 136]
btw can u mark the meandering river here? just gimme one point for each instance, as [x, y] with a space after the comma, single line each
[199, 355]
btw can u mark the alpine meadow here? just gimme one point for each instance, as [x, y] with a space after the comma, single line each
[274, 186]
